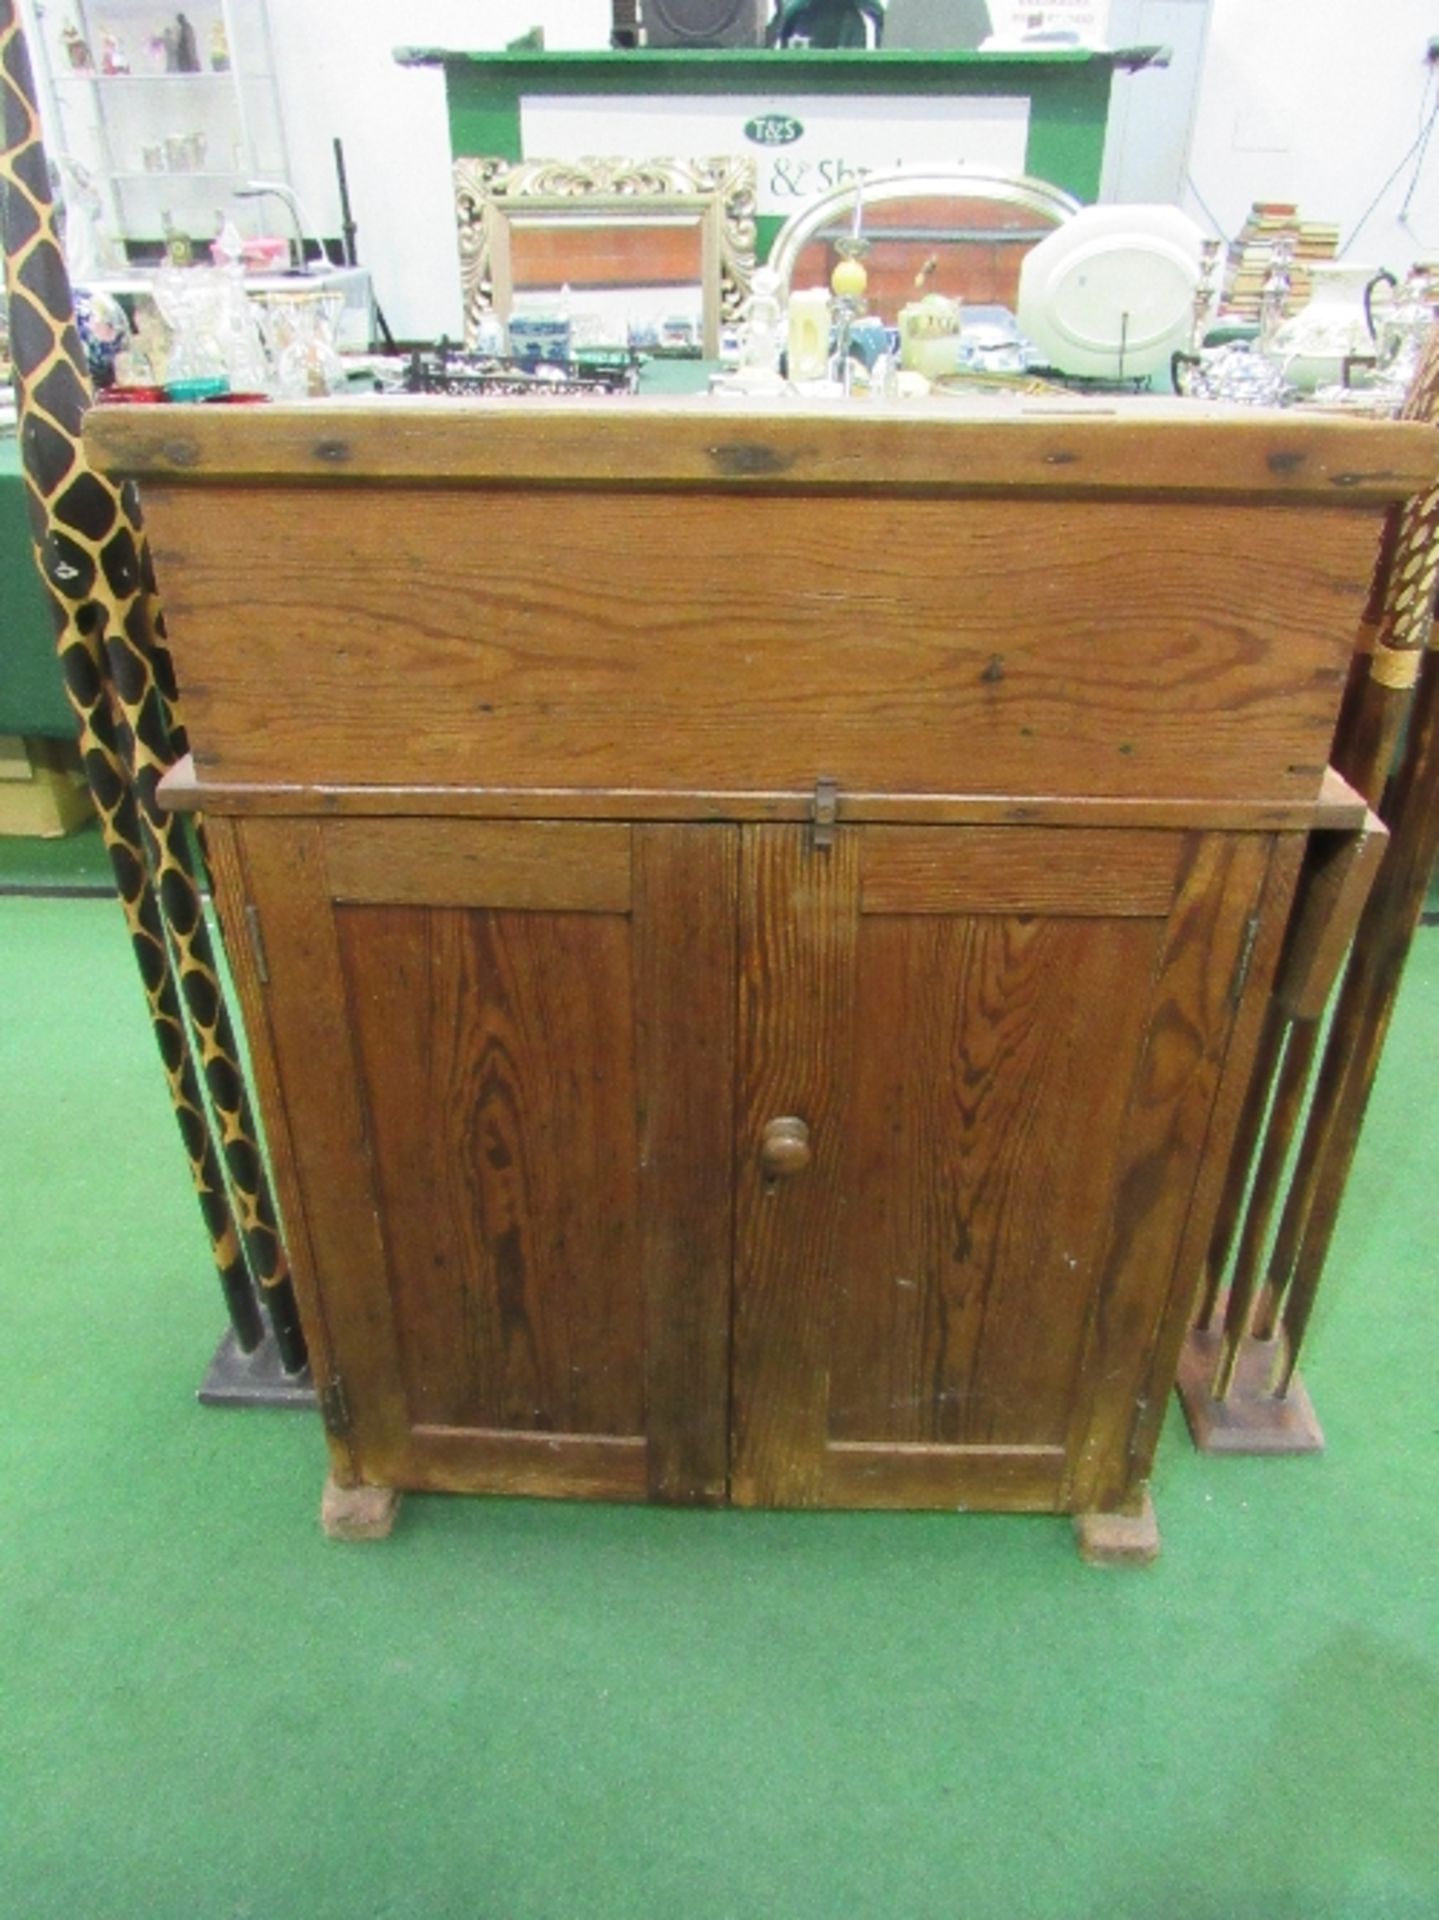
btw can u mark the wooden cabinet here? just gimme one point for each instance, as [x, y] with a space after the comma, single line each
[535, 1074]
[744, 1015]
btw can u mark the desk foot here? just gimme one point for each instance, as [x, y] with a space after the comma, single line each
[1119, 1539]
[1250, 1419]
[358, 1513]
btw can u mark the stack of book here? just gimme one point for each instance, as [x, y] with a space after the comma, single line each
[1251, 256]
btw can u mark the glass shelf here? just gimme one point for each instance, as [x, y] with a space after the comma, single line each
[172, 176]
[78, 78]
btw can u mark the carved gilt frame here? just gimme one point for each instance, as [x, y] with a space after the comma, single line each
[719, 193]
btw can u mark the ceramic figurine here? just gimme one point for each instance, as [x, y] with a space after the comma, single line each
[187, 53]
[113, 57]
[929, 336]
[77, 49]
[145, 361]
[179, 247]
[491, 342]
[104, 333]
[1274, 295]
[90, 249]
[219, 48]
[181, 53]
[762, 336]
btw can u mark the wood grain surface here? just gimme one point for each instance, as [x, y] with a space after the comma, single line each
[436, 863]
[496, 1053]
[1048, 444]
[513, 1134]
[1007, 1109]
[1335, 806]
[1160, 1142]
[1025, 870]
[685, 984]
[1338, 874]
[798, 930]
[521, 639]
[310, 1019]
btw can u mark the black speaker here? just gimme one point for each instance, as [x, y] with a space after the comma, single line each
[705, 23]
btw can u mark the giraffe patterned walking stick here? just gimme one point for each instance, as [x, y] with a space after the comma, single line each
[92, 558]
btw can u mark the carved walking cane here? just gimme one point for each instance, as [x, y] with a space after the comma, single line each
[92, 558]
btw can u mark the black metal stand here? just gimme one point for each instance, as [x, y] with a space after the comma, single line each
[257, 1379]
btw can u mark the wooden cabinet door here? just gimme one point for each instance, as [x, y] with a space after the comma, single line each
[504, 1055]
[1004, 1046]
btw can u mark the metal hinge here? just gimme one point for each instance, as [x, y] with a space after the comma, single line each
[257, 942]
[1242, 963]
[823, 812]
[335, 1407]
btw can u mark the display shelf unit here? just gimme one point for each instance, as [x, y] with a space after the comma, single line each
[162, 146]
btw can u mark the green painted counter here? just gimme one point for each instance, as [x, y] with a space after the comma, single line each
[1067, 91]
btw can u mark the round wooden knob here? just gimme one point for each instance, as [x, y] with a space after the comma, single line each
[784, 1148]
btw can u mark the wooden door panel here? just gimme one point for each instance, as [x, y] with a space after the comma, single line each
[980, 1142]
[988, 1047]
[510, 1026]
[497, 1060]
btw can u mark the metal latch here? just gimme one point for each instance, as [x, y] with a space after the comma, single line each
[1243, 961]
[823, 812]
[257, 942]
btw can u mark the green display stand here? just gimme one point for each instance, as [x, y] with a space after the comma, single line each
[32, 696]
[1067, 94]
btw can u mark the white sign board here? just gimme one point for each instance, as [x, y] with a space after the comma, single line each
[1021, 22]
[804, 143]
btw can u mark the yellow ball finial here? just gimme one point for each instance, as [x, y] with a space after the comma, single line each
[849, 280]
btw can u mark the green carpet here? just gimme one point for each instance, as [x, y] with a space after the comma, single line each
[525, 1711]
[73, 863]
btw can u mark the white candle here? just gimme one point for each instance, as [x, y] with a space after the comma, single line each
[809, 334]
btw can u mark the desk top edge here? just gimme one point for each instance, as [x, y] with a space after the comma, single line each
[1058, 446]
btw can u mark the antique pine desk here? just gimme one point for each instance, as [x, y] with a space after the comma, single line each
[753, 923]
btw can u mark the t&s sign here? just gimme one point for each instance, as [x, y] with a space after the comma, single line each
[803, 145]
